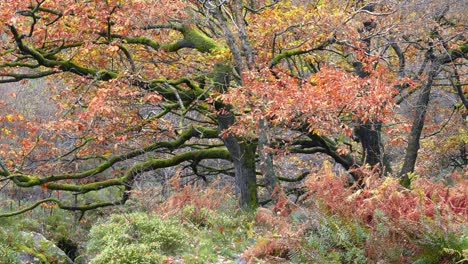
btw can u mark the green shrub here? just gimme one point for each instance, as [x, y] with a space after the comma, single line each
[215, 234]
[333, 240]
[204, 217]
[122, 237]
[129, 254]
[446, 247]
[7, 254]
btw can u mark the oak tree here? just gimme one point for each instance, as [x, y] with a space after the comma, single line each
[142, 85]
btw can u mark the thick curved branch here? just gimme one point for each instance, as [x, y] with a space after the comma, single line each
[23, 180]
[401, 59]
[369, 9]
[454, 54]
[458, 88]
[296, 179]
[60, 65]
[149, 165]
[128, 56]
[15, 77]
[290, 53]
[126, 180]
[60, 205]
[192, 38]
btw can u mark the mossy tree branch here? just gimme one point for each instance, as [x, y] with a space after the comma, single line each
[60, 205]
[295, 52]
[125, 180]
[23, 180]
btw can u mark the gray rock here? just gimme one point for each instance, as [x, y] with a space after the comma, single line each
[35, 244]
[240, 260]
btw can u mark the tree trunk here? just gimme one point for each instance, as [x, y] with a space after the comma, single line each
[266, 157]
[369, 136]
[243, 157]
[417, 126]
[242, 153]
[369, 133]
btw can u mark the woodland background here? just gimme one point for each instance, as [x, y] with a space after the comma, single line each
[230, 131]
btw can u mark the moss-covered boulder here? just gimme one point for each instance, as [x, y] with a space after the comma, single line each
[29, 247]
[33, 247]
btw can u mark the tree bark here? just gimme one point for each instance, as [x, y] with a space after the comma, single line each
[368, 133]
[242, 152]
[369, 136]
[243, 156]
[266, 157]
[418, 124]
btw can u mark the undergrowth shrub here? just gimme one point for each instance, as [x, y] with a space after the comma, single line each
[269, 248]
[380, 223]
[195, 224]
[134, 237]
[334, 240]
[217, 229]
[404, 224]
[7, 253]
[276, 234]
[201, 199]
[442, 244]
[131, 254]
[306, 235]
